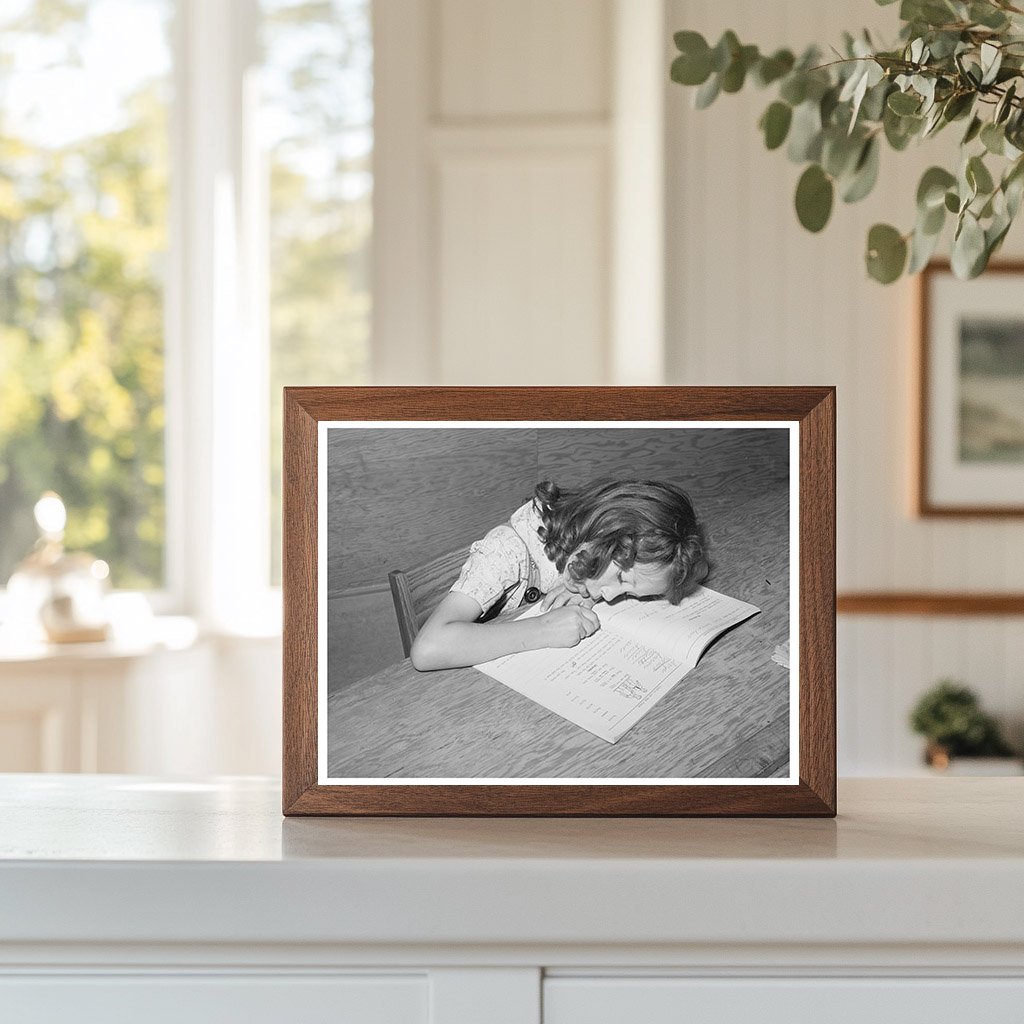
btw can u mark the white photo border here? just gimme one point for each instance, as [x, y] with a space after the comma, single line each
[793, 426]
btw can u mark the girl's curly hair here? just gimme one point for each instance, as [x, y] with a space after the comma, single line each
[624, 521]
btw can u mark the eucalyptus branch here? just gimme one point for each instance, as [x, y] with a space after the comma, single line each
[833, 117]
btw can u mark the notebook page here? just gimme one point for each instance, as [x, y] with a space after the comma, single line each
[604, 684]
[681, 631]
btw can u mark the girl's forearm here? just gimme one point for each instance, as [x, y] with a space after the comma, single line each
[458, 644]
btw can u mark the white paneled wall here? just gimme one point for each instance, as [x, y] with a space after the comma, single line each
[521, 154]
[505, 134]
[505, 317]
[754, 299]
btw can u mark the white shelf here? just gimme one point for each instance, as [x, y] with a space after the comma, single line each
[122, 859]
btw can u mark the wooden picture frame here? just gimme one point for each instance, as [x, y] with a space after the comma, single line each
[764, 458]
[969, 448]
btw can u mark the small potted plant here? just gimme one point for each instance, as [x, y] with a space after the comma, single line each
[950, 718]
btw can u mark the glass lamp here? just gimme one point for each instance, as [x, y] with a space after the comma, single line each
[55, 595]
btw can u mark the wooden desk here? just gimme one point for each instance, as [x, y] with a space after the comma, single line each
[728, 718]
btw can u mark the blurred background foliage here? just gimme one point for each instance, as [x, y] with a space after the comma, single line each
[83, 230]
[84, 246]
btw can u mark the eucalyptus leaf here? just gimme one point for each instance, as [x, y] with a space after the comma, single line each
[978, 176]
[865, 173]
[1013, 191]
[903, 103]
[724, 51]
[775, 123]
[873, 106]
[932, 221]
[933, 122]
[854, 91]
[707, 93]
[966, 188]
[991, 60]
[840, 152]
[993, 138]
[827, 106]
[794, 88]
[900, 130]
[944, 44]
[735, 74]
[814, 194]
[987, 15]
[1013, 186]
[771, 69]
[922, 248]
[805, 133]
[972, 131]
[886, 253]
[958, 105]
[995, 233]
[689, 42]
[1004, 106]
[925, 88]
[688, 71]
[952, 202]
[968, 247]
[931, 190]
[931, 12]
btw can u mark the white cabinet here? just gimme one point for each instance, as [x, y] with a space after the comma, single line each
[204, 999]
[134, 898]
[173, 705]
[99, 708]
[824, 1000]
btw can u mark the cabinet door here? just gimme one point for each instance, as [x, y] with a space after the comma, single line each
[205, 999]
[41, 720]
[783, 1000]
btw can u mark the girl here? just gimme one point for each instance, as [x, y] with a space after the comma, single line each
[610, 538]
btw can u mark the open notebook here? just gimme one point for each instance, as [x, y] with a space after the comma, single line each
[610, 680]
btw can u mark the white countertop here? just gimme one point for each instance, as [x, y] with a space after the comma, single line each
[124, 859]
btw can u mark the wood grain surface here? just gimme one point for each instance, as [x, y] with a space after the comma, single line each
[926, 603]
[461, 723]
[730, 723]
[397, 498]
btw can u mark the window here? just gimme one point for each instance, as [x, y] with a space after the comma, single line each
[317, 117]
[83, 236]
[185, 220]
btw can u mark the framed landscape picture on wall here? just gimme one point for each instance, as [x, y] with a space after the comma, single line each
[970, 450]
[559, 601]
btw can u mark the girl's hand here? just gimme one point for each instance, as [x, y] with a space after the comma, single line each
[567, 626]
[561, 596]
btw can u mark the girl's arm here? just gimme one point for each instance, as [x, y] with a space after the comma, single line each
[451, 638]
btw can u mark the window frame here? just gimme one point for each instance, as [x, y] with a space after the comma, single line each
[217, 350]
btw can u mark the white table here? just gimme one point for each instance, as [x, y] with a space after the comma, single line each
[197, 902]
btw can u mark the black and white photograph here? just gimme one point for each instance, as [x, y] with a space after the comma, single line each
[572, 602]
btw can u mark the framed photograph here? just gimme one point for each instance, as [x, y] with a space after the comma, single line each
[970, 450]
[559, 601]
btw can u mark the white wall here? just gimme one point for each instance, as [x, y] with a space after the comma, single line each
[752, 298]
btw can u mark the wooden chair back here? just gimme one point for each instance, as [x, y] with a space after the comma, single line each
[417, 592]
